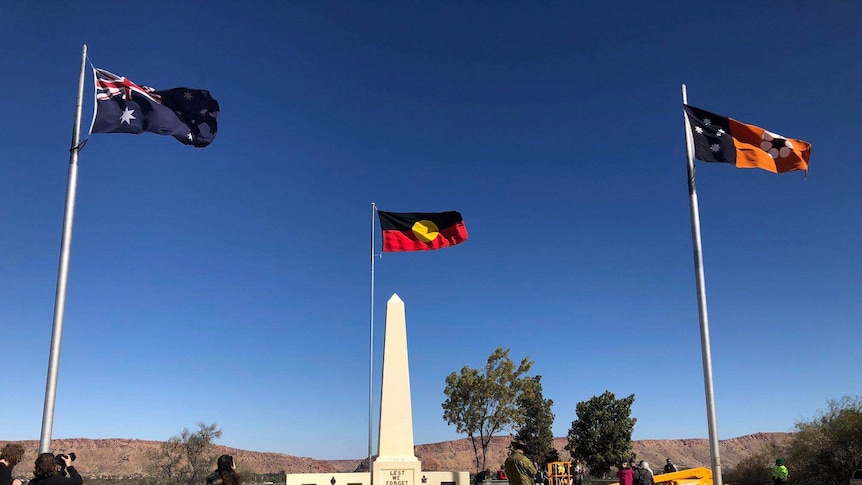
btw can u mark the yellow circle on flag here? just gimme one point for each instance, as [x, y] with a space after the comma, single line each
[426, 231]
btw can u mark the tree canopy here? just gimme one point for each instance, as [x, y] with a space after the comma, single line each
[483, 403]
[187, 458]
[828, 447]
[601, 436]
[536, 430]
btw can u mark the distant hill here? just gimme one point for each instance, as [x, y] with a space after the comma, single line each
[127, 457]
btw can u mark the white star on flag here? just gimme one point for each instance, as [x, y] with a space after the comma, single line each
[187, 95]
[715, 147]
[190, 136]
[699, 130]
[127, 117]
[707, 122]
[719, 132]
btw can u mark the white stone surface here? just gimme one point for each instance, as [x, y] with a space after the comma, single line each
[395, 438]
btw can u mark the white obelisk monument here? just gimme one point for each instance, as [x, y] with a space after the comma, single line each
[396, 463]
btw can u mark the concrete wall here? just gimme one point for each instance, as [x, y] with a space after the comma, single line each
[361, 478]
[364, 478]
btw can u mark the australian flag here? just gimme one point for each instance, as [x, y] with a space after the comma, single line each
[189, 115]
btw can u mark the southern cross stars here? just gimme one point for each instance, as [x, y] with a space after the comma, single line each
[188, 96]
[127, 116]
[715, 147]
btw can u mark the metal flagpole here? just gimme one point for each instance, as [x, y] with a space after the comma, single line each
[371, 347]
[701, 301]
[63, 272]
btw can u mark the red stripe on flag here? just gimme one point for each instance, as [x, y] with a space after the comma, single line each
[398, 241]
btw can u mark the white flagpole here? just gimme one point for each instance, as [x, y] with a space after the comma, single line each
[63, 272]
[371, 347]
[701, 301]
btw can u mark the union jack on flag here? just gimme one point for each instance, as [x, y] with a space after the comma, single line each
[109, 85]
[189, 115]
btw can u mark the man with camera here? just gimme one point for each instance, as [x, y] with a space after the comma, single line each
[49, 467]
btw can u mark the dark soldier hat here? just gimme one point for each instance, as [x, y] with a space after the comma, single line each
[518, 445]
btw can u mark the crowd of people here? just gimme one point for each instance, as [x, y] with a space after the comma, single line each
[516, 465]
[519, 470]
[637, 474]
[51, 469]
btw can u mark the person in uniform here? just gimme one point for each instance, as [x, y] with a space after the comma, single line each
[519, 468]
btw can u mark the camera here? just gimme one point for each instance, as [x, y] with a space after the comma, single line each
[59, 458]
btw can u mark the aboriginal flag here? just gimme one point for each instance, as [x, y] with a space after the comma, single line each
[421, 231]
[720, 139]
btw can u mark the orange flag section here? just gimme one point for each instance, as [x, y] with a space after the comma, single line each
[759, 148]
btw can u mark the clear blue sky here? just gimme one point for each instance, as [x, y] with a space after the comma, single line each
[231, 284]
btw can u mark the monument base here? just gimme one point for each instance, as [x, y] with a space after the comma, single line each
[417, 477]
[397, 472]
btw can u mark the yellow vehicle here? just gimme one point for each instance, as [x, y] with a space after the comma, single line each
[559, 473]
[692, 476]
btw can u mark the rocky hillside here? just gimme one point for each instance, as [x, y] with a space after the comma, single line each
[128, 457]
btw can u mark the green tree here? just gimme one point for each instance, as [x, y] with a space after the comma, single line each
[827, 448]
[601, 437]
[536, 431]
[185, 459]
[753, 470]
[481, 404]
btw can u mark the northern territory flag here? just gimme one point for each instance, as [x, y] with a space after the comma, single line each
[421, 231]
[720, 139]
[189, 115]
